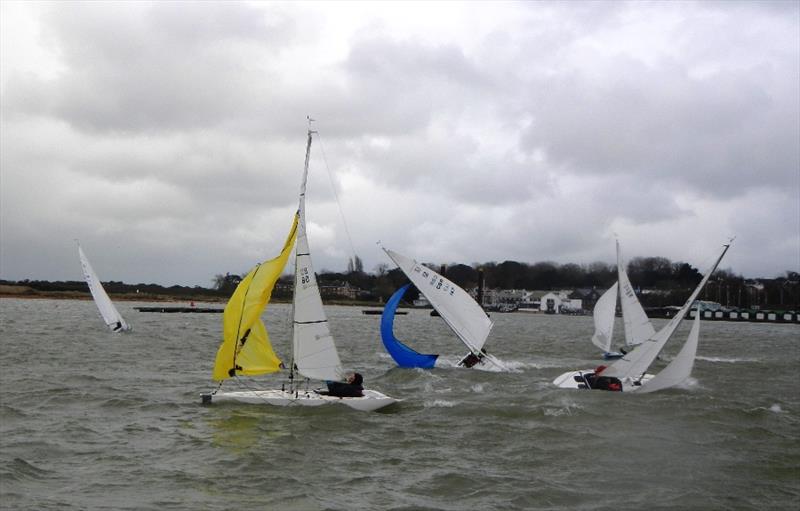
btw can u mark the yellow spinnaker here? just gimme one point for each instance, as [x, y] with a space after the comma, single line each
[245, 348]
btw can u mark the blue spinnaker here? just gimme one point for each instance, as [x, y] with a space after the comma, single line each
[402, 354]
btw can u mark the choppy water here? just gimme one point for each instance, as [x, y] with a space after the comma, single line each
[93, 420]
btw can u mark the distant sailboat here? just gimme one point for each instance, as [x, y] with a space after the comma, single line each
[638, 327]
[110, 314]
[629, 373]
[247, 351]
[458, 309]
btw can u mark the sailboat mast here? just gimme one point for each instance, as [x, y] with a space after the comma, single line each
[619, 287]
[301, 211]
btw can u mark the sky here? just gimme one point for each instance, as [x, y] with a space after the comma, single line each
[169, 137]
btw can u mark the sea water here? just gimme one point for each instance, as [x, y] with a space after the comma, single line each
[95, 420]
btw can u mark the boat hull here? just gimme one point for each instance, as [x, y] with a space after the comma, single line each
[371, 401]
[568, 381]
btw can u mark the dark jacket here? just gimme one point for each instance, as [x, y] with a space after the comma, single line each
[340, 389]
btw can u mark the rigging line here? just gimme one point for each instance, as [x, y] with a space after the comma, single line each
[248, 388]
[336, 196]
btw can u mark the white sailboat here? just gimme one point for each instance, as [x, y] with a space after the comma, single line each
[246, 349]
[629, 373]
[111, 316]
[458, 309]
[637, 325]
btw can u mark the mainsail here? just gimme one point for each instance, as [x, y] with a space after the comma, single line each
[314, 351]
[638, 327]
[635, 363]
[458, 309]
[110, 314]
[246, 349]
[604, 313]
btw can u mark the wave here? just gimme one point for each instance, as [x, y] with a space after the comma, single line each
[727, 360]
[19, 469]
[440, 403]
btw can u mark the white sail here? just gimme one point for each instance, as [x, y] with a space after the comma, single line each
[110, 315]
[681, 366]
[635, 363]
[458, 309]
[638, 327]
[604, 314]
[313, 348]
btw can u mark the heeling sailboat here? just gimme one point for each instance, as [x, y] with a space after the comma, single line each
[458, 309]
[637, 325]
[629, 373]
[111, 316]
[247, 351]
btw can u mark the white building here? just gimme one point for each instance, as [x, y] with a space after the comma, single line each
[556, 302]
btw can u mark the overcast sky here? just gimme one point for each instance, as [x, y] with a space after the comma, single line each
[169, 137]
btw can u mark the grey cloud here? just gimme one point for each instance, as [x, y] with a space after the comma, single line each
[407, 83]
[530, 141]
[170, 66]
[725, 132]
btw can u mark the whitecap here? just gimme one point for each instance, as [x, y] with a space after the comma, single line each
[439, 403]
[776, 408]
[726, 360]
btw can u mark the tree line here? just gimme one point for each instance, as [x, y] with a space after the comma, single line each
[661, 282]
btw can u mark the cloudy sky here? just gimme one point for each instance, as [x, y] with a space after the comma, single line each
[169, 137]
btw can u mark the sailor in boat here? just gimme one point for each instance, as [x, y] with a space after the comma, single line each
[596, 381]
[353, 387]
[472, 358]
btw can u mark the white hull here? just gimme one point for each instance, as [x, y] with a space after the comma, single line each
[372, 399]
[492, 361]
[568, 381]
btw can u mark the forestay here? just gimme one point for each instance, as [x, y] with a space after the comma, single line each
[635, 363]
[314, 350]
[110, 314]
[458, 309]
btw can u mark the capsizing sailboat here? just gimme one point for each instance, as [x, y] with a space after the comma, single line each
[637, 325]
[459, 310]
[111, 316]
[629, 373]
[246, 349]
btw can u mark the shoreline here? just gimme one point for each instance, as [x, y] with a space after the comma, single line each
[28, 293]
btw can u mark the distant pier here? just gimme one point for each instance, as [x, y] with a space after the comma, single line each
[201, 310]
[748, 316]
[752, 316]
